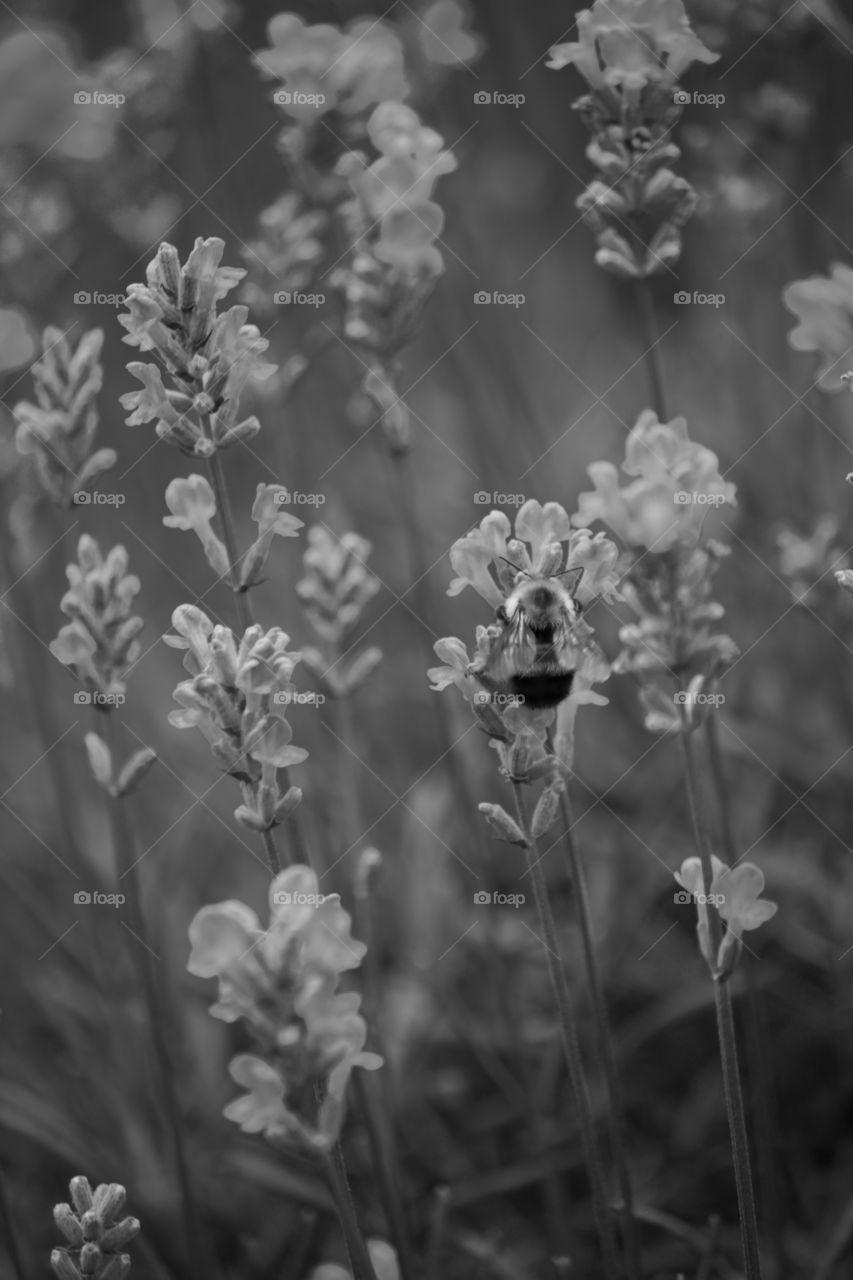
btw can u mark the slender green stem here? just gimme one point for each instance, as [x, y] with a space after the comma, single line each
[725, 1023]
[757, 1057]
[379, 1125]
[616, 1110]
[336, 1177]
[7, 1221]
[246, 619]
[571, 1045]
[653, 356]
[437, 1232]
[143, 956]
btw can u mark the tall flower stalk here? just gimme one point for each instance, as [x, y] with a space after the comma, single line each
[208, 357]
[99, 644]
[307, 1037]
[673, 641]
[334, 590]
[494, 563]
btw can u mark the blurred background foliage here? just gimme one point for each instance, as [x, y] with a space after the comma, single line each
[512, 400]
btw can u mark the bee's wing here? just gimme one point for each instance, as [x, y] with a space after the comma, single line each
[590, 659]
[514, 652]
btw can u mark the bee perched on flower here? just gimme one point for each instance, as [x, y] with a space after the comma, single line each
[540, 653]
[660, 516]
[631, 54]
[308, 1037]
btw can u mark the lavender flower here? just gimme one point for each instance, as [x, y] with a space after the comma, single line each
[100, 642]
[308, 1037]
[336, 587]
[631, 54]
[736, 894]
[208, 357]
[823, 306]
[95, 1233]
[59, 429]
[236, 698]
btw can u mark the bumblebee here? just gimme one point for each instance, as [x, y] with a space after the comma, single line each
[539, 642]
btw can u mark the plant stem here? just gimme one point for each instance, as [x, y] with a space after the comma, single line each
[7, 1220]
[757, 1058]
[616, 1110]
[336, 1177]
[246, 619]
[571, 1045]
[379, 1125]
[725, 1022]
[653, 357]
[143, 956]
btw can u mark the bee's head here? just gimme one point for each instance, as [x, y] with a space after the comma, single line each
[544, 602]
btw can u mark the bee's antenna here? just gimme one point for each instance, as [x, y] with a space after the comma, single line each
[578, 571]
[514, 567]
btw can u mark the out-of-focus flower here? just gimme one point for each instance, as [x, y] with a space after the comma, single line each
[445, 36]
[59, 429]
[382, 1256]
[631, 53]
[625, 45]
[660, 515]
[273, 521]
[490, 557]
[282, 982]
[806, 562]
[735, 893]
[335, 589]
[95, 1233]
[325, 69]
[209, 357]
[823, 306]
[677, 482]
[193, 506]
[100, 642]
[237, 697]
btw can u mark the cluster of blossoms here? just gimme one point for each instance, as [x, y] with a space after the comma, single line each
[735, 892]
[100, 643]
[631, 54]
[282, 982]
[494, 559]
[807, 563]
[96, 1234]
[59, 429]
[237, 697]
[328, 80]
[361, 211]
[209, 357]
[335, 588]
[192, 507]
[659, 516]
